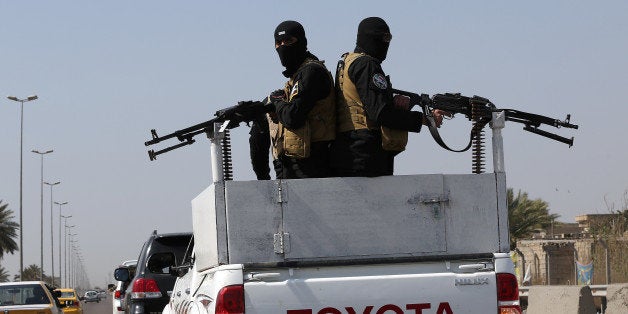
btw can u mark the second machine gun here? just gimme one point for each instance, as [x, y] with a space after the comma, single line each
[479, 111]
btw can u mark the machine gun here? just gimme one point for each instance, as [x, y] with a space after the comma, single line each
[479, 111]
[231, 117]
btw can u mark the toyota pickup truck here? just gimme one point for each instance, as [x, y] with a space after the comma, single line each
[429, 243]
[399, 244]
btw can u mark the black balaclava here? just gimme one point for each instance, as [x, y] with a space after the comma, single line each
[293, 55]
[371, 33]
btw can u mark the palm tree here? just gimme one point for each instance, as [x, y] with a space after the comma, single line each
[30, 273]
[8, 230]
[4, 275]
[525, 215]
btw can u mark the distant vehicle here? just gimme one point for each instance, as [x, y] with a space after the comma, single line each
[28, 297]
[120, 287]
[150, 289]
[91, 296]
[69, 301]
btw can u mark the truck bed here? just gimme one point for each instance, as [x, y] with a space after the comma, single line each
[331, 220]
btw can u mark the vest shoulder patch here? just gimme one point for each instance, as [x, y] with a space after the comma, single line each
[379, 81]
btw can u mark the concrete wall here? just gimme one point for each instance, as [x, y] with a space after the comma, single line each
[560, 300]
[617, 299]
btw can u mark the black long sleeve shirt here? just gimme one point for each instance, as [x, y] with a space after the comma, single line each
[314, 84]
[359, 152]
[364, 72]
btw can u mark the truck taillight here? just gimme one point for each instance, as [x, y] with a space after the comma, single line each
[507, 289]
[116, 294]
[230, 300]
[145, 288]
[507, 294]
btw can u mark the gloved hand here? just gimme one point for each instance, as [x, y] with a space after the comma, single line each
[278, 95]
[274, 98]
[402, 102]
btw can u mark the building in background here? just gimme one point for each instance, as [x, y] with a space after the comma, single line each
[592, 251]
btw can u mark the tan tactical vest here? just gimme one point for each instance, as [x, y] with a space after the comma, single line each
[350, 109]
[320, 124]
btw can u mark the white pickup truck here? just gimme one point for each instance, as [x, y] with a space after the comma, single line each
[425, 244]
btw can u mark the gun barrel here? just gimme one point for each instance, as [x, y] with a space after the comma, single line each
[244, 111]
[536, 119]
[181, 134]
[568, 141]
[152, 154]
[566, 124]
[156, 139]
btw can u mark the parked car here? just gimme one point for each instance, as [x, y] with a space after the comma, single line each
[28, 297]
[149, 289]
[91, 296]
[69, 301]
[118, 292]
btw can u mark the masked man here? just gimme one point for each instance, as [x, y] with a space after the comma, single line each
[372, 125]
[302, 125]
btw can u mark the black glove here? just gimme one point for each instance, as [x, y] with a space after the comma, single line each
[274, 98]
[278, 95]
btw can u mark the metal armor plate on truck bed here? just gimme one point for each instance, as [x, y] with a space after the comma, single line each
[350, 219]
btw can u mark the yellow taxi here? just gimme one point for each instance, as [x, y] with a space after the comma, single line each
[28, 297]
[69, 301]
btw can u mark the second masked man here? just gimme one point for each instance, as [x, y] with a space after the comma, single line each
[373, 123]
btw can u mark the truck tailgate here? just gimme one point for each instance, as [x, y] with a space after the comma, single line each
[377, 289]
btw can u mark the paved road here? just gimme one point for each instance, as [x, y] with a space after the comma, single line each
[102, 307]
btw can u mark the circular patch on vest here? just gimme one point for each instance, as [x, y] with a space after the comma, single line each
[380, 81]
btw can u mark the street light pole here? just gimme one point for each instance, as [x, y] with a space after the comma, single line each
[67, 242]
[71, 260]
[78, 265]
[41, 234]
[60, 217]
[21, 101]
[52, 252]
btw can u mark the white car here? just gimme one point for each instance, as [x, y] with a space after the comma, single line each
[91, 296]
[118, 294]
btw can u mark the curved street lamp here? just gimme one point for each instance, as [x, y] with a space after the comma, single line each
[71, 259]
[52, 252]
[21, 101]
[60, 217]
[68, 236]
[41, 234]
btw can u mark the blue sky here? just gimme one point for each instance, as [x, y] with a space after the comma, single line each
[106, 72]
